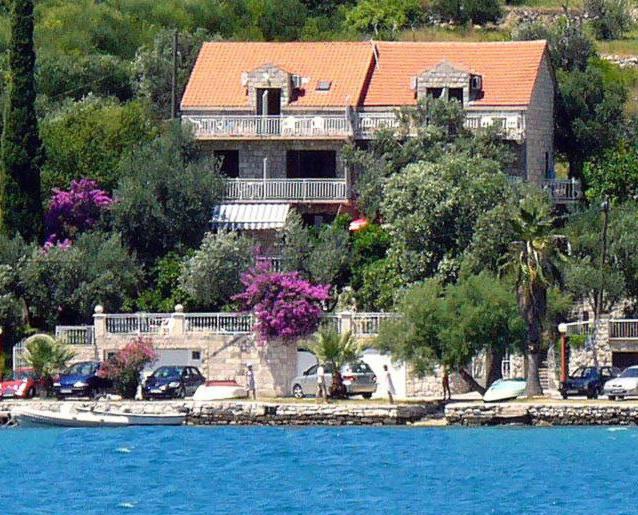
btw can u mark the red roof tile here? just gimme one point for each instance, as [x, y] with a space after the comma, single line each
[509, 71]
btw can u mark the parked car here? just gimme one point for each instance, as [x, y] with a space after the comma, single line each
[358, 378]
[588, 381]
[173, 382]
[22, 383]
[624, 385]
[84, 379]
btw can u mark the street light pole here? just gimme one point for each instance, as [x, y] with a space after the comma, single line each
[562, 329]
[603, 257]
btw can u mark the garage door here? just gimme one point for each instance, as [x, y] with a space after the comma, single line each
[623, 360]
[177, 357]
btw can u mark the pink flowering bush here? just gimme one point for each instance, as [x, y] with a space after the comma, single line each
[125, 367]
[285, 304]
[74, 211]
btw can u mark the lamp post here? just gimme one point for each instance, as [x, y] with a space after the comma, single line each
[562, 329]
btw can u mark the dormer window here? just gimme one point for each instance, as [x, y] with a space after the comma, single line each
[268, 101]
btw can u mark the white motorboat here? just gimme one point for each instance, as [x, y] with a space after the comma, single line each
[92, 418]
[220, 390]
[505, 389]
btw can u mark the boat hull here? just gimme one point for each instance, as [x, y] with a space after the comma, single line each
[36, 418]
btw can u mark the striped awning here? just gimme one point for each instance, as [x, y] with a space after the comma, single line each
[249, 216]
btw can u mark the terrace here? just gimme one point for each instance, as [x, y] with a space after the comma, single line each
[357, 125]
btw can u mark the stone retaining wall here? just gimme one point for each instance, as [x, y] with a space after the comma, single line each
[543, 414]
[261, 413]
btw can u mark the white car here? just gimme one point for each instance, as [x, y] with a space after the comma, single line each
[624, 385]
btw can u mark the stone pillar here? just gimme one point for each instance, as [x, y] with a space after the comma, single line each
[176, 326]
[276, 369]
[346, 322]
[99, 326]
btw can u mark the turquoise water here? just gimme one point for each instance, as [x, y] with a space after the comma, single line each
[318, 470]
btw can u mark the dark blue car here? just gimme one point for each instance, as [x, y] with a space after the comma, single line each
[173, 382]
[588, 381]
[85, 379]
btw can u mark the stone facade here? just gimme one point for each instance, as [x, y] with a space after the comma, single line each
[222, 356]
[253, 153]
[539, 126]
[268, 76]
[444, 76]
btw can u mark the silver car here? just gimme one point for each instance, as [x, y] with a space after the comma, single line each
[358, 378]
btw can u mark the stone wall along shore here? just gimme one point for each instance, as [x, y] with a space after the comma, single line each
[549, 413]
[233, 412]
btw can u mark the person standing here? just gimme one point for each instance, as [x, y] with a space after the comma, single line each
[445, 380]
[321, 383]
[250, 382]
[388, 384]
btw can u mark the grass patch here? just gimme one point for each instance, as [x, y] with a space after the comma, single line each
[444, 34]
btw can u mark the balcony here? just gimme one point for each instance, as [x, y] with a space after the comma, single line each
[287, 190]
[563, 191]
[257, 127]
[362, 125]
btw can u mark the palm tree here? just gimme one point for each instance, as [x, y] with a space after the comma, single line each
[336, 350]
[47, 357]
[534, 259]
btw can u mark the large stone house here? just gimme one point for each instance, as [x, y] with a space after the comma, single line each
[279, 115]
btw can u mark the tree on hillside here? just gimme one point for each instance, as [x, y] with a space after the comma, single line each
[534, 260]
[166, 195]
[589, 117]
[21, 153]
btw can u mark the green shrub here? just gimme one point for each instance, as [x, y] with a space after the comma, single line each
[465, 11]
[610, 19]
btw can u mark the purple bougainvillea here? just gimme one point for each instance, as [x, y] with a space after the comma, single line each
[286, 306]
[74, 211]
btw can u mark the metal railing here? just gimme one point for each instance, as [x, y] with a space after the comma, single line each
[218, 323]
[139, 323]
[75, 334]
[273, 263]
[369, 123]
[563, 191]
[626, 329]
[368, 324]
[164, 324]
[584, 328]
[223, 126]
[286, 189]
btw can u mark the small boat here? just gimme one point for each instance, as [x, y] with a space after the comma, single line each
[92, 418]
[220, 390]
[505, 389]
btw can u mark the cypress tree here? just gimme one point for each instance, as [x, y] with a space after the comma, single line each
[21, 151]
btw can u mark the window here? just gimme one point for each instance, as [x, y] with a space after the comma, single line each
[268, 101]
[434, 92]
[196, 355]
[324, 85]
[311, 164]
[229, 162]
[456, 93]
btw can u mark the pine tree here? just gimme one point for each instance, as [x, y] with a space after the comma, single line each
[21, 157]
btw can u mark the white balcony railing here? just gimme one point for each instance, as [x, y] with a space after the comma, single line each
[626, 329]
[362, 125]
[222, 126]
[174, 324]
[287, 189]
[563, 191]
[218, 323]
[75, 334]
[138, 323]
[273, 263]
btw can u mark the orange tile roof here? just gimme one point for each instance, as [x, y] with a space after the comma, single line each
[216, 77]
[509, 71]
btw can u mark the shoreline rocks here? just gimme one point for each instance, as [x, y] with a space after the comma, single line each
[241, 412]
[543, 413]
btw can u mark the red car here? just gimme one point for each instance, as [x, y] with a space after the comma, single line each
[22, 384]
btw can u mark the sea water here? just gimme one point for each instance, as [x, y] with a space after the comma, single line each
[203, 470]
